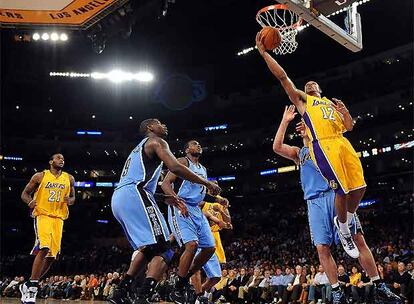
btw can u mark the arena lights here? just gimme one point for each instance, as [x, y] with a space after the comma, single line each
[116, 76]
[367, 203]
[104, 184]
[226, 178]
[55, 37]
[268, 172]
[219, 127]
[88, 132]
[302, 27]
[10, 158]
[84, 184]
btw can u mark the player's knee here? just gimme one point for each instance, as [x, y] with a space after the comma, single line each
[191, 246]
[323, 251]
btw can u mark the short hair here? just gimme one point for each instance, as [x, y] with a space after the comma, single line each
[187, 144]
[143, 127]
[53, 156]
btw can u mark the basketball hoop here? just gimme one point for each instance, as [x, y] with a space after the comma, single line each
[286, 21]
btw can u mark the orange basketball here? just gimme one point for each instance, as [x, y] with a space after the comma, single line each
[270, 37]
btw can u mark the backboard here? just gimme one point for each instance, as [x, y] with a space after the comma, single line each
[316, 12]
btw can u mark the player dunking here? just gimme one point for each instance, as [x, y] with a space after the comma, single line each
[53, 192]
[321, 212]
[192, 232]
[135, 208]
[326, 121]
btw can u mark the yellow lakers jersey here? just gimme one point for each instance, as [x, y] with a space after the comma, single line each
[321, 119]
[210, 208]
[50, 195]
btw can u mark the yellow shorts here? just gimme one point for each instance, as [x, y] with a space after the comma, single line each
[339, 164]
[48, 231]
[219, 247]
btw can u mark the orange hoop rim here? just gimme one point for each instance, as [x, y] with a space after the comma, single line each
[280, 7]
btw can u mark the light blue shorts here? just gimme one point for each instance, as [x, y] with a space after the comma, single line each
[195, 227]
[139, 215]
[212, 268]
[321, 213]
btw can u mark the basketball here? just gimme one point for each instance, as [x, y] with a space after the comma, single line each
[270, 37]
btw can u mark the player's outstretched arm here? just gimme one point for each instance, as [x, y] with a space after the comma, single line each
[297, 97]
[167, 183]
[30, 188]
[162, 150]
[279, 147]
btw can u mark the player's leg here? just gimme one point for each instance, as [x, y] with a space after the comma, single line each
[196, 282]
[185, 233]
[43, 226]
[367, 261]
[46, 265]
[330, 157]
[206, 243]
[355, 178]
[213, 272]
[132, 212]
[321, 211]
[160, 256]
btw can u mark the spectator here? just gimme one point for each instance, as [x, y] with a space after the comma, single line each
[343, 280]
[231, 287]
[12, 288]
[76, 291]
[249, 291]
[276, 285]
[401, 280]
[294, 288]
[218, 288]
[243, 277]
[320, 286]
[264, 288]
[354, 281]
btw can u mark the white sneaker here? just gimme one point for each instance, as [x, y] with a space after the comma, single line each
[28, 294]
[347, 241]
[24, 290]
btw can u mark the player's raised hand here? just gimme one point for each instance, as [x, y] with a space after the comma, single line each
[289, 114]
[213, 188]
[339, 106]
[259, 44]
[178, 202]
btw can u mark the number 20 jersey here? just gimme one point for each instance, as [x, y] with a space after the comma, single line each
[322, 120]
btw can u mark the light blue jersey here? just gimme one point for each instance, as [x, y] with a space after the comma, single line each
[141, 171]
[193, 194]
[195, 227]
[313, 183]
[133, 203]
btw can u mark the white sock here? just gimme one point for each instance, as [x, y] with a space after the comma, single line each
[349, 217]
[343, 227]
[335, 285]
[376, 278]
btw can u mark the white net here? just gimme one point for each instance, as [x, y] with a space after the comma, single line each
[286, 21]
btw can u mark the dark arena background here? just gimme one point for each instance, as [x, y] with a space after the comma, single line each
[82, 90]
